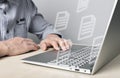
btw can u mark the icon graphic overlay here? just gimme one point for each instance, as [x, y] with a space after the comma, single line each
[87, 27]
[82, 5]
[62, 20]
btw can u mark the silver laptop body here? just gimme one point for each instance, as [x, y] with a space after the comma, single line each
[86, 58]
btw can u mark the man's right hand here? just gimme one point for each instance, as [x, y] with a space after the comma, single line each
[17, 45]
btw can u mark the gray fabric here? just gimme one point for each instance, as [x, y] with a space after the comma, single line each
[2, 25]
[3, 21]
[22, 18]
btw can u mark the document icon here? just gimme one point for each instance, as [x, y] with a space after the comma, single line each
[87, 26]
[82, 5]
[96, 46]
[62, 20]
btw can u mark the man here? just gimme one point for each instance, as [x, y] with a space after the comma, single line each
[17, 18]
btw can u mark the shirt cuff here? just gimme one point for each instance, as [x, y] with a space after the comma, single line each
[50, 31]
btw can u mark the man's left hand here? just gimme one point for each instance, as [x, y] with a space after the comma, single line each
[56, 42]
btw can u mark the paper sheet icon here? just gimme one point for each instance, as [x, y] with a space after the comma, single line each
[87, 26]
[82, 5]
[62, 20]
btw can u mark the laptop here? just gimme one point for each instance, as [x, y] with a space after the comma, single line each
[81, 57]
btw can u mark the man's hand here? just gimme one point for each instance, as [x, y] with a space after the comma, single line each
[19, 45]
[55, 41]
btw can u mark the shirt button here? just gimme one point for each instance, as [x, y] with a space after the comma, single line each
[7, 31]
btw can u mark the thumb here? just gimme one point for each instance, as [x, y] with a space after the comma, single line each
[43, 46]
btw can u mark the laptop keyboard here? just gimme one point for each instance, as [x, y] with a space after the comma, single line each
[73, 57]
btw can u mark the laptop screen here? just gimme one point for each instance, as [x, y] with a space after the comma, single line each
[83, 21]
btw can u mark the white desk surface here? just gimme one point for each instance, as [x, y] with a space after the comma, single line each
[13, 67]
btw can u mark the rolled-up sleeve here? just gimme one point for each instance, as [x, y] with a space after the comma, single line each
[40, 26]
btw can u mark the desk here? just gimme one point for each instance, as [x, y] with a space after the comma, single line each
[13, 67]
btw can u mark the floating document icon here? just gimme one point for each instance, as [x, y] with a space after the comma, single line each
[96, 46]
[82, 5]
[87, 27]
[62, 20]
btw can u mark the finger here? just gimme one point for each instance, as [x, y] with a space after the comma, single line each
[31, 47]
[32, 43]
[70, 43]
[43, 45]
[54, 44]
[67, 45]
[62, 44]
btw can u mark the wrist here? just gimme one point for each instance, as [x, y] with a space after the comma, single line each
[3, 48]
[53, 35]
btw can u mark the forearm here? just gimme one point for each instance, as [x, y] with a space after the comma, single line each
[3, 48]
